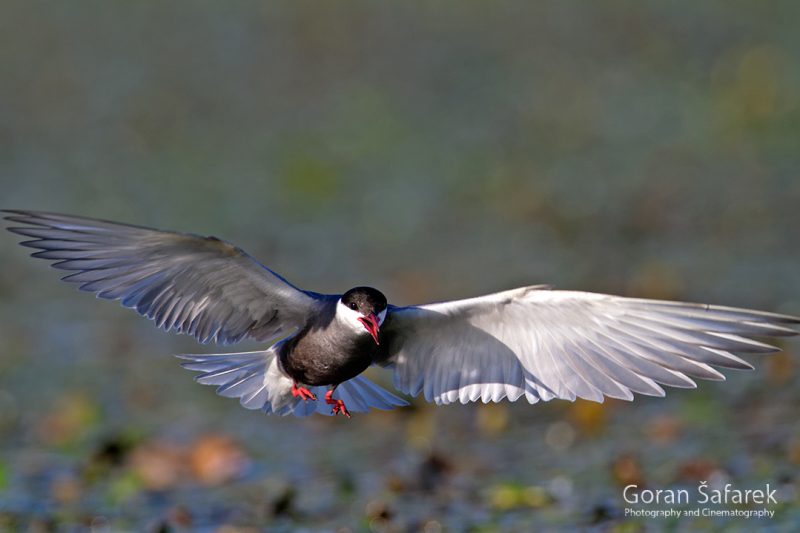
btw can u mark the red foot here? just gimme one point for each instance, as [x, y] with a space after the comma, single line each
[338, 405]
[303, 392]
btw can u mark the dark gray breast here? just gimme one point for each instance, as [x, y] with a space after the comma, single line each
[326, 352]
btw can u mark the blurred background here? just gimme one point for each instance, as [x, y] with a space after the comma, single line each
[431, 150]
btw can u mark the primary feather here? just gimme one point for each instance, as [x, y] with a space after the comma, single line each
[186, 283]
[544, 344]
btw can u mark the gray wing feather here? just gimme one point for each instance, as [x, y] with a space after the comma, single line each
[201, 286]
[545, 344]
[256, 379]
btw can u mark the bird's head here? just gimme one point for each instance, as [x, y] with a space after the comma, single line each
[364, 308]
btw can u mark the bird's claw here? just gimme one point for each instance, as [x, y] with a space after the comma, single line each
[338, 405]
[340, 408]
[303, 393]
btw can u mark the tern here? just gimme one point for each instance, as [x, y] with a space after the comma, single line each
[531, 342]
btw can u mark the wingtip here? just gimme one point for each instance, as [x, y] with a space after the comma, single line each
[18, 215]
[692, 384]
[28, 212]
[14, 229]
[32, 219]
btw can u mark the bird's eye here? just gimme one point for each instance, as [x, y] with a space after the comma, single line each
[353, 306]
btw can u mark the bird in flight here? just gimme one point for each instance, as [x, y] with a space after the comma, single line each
[532, 342]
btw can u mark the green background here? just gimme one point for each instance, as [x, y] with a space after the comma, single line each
[433, 150]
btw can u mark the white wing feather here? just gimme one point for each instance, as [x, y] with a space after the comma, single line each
[544, 344]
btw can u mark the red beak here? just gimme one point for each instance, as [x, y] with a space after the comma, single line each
[370, 323]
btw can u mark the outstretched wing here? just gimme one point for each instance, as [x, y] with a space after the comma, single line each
[197, 285]
[547, 344]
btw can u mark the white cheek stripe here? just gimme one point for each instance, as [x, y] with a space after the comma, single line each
[351, 317]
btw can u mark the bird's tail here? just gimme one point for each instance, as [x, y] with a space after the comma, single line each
[256, 379]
